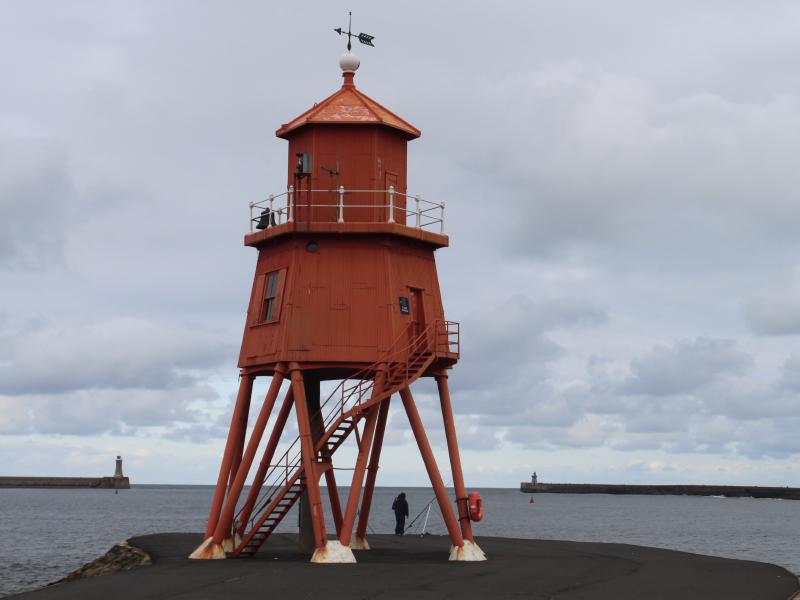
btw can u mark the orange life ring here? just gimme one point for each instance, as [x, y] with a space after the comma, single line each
[475, 503]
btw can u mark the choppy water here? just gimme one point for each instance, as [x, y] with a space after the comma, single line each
[48, 533]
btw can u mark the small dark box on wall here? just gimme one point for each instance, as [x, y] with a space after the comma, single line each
[404, 309]
[303, 163]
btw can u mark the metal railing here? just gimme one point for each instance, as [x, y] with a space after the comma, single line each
[412, 211]
[448, 337]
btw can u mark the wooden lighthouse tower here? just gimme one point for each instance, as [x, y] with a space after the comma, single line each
[345, 294]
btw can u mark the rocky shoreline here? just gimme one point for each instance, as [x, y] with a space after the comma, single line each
[121, 557]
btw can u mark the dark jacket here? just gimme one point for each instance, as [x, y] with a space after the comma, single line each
[400, 506]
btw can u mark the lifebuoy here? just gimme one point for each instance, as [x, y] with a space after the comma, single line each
[475, 503]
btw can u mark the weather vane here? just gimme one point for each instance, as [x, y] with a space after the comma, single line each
[364, 38]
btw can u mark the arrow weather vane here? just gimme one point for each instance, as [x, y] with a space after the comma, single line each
[364, 38]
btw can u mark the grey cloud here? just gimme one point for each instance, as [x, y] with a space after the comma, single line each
[587, 431]
[684, 366]
[591, 157]
[713, 408]
[790, 377]
[35, 188]
[653, 177]
[118, 353]
[649, 419]
[742, 399]
[775, 313]
[96, 411]
[510, 343]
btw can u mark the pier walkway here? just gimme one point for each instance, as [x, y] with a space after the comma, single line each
[414, 567]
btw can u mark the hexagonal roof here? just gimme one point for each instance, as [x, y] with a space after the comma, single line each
[349, 106]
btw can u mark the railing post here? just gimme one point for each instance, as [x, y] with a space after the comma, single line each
[441, 217]
[252, 204]
[340, 218]
[291, 204]
[271, 213]
[391, 205]
[419, 215]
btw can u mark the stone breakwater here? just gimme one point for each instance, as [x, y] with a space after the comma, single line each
[121, 557]
[729, 491]
[106, 483]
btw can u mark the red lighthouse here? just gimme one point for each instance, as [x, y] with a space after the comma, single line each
[345, 297]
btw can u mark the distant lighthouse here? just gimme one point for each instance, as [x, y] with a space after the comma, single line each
[118, 470]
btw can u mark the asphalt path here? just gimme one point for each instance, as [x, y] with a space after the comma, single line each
[417, 567]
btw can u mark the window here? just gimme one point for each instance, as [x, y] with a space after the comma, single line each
[265, 304]
[271, 308]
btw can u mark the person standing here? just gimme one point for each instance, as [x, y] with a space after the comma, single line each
[400, 508]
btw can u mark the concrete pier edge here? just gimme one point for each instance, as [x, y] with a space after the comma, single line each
[410, 566]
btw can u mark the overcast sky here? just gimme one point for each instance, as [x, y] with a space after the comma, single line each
[621, 181]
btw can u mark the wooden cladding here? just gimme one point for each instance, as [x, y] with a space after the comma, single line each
[338, 304]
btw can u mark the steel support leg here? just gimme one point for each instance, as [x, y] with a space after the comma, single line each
[333, 496]
[372, 473]
[269, 452]
[306, 542]
[308, 458]
[455, 459]
[358, 478]
[361, 461]
[236, 456]
[238, 420]
[223, 529]
[430, 465]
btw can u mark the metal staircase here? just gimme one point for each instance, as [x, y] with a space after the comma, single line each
[349, 403]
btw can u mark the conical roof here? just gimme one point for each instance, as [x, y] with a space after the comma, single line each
[349, 106]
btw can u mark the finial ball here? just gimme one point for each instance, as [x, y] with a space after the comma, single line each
[349, 62]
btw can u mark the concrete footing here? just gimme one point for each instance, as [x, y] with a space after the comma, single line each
[228, 544]
[333, 553]
[208, 550]
[359, 543]
[469, 552]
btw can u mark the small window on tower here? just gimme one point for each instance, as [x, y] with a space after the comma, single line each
[271, 297]
[268, 297]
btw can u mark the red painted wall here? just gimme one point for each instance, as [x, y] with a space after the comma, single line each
[340, 303]
[370, 157]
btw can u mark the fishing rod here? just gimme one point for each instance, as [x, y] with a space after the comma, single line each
[425, 508]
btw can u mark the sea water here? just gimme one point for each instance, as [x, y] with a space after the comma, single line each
[48, 533]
